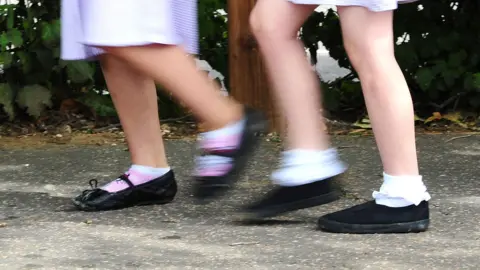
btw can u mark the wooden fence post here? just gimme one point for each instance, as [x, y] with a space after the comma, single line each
[248, 80]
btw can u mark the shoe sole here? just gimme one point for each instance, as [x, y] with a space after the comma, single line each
[242, 162]
[406, 227]
[86, 208]
[290, 207]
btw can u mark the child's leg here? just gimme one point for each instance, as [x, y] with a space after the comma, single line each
[135, 99]
[310, 165]
[294, 83]
[151, 38]
[172, 68]
[233, 137]
[368, 38]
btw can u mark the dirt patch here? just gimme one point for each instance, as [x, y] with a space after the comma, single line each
[66, 135]
[73, 139]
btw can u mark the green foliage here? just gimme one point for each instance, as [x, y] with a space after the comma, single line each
[34, 99]
[6, 99]
[440, 55]
[34, 77]
[99, 102]
[29, 53]
[439, 58]
[214, 34]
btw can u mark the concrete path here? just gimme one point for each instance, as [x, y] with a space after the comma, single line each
[40, 231]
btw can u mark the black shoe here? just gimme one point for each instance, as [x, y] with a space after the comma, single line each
[213, 186]
[370, 217]
[284, 199]
[161, 190]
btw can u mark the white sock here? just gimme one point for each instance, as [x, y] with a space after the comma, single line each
[401, 191]
[300, 167]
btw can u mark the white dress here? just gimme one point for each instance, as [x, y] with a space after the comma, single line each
[126, 23]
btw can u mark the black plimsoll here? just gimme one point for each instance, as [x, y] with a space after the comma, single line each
[371, 218]
[283, 199]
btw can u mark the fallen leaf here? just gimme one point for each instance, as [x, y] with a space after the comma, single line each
[356, 131]
[360, 125]
[435, 116]
[416, 118]
[365, 121]
[454, 117]
[69, 105]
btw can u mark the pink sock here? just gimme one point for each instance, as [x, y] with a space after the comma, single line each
[224, 139]
[217, 142]
[138, 175]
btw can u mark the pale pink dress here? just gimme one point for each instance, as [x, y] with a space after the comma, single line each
[86, 23]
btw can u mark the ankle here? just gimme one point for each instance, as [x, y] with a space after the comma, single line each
[308, 140]
[152, 162]
[402, 171]
[231, 115]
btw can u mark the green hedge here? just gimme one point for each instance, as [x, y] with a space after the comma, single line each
[440, 57]
[441, 67]
[34, 78]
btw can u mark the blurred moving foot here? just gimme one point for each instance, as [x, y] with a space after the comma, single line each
[225, 155]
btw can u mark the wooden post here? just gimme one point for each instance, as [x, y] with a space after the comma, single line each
[248, 80]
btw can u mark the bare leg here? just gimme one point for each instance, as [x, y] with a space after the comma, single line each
[135, 99]
[309, 167]
[233, 136]
[295, 85]
[233, 126]
[401, 205]
[171, 67]
[368, 39]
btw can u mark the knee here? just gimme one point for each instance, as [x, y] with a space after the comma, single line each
[260, 26]
[268, 29]
[370, 58]
[354, 55]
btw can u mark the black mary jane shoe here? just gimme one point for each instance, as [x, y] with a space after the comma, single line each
[161, 190]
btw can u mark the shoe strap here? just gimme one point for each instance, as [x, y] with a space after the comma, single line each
[125, 179]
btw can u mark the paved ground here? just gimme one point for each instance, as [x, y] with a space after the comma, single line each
[40, 231]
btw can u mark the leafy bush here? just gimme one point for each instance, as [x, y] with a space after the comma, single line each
[438, 54]
[32, 75]
[438, 51]
[213, 33]
[34, 78]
